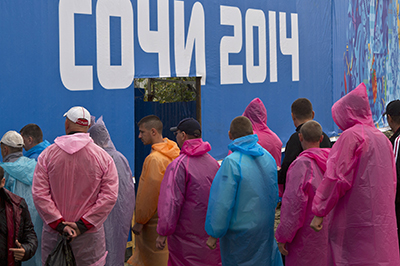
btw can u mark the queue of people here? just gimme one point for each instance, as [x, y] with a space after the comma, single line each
[339, 204]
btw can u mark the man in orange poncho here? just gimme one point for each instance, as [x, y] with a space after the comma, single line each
[163, 152]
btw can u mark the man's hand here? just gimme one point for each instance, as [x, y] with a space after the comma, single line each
[316, 223]
[160, 242]
[19, 252]
[72, 230]
[137, 228]
[212, 242]
[282, 249]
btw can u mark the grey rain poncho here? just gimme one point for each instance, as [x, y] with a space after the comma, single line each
[118, 223]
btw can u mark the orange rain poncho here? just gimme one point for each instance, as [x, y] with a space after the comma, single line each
[146, 253]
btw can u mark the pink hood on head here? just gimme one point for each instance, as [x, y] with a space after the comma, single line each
[195, 147]
[73, 143]
[353, 109]
[257, 114]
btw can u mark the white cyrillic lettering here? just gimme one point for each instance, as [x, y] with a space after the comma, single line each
[256, 74]
[231, 74]
[196, 32]
[74, 78]
[111, 76]
[290, 46]
[273, 65]
[155, 41]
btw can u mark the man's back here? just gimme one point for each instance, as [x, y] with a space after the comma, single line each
[75, 179]
[359, 188]
[367, 185]
[118, 223]
[305, 246]
[182, 205]
[242, 203]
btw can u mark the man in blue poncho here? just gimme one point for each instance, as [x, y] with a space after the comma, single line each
[33, 141]
[243, 197]
[19, 174]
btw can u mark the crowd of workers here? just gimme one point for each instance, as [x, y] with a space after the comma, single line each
[339, 203]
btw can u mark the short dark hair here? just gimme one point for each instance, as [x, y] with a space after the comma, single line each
[311, 131]
[396, 119]
[151, 121]
[240, 127]
[1, 173]
[302, 109]
[34, 131]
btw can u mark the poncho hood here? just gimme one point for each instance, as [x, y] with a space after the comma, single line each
[320, 156]
[22, 169]
[37, 149]
[257, 114]
[168, 148]
[353, 109]
[195, 147]
[73, 143]
[247, 145]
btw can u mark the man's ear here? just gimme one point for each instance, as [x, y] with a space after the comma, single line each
[301, 137]
[2, 182]
[184, 135]
[313, 114]
[322, 137]
[153, 131]
[230, 135]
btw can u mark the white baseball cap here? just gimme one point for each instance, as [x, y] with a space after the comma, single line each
[13, 139]
[79, 115]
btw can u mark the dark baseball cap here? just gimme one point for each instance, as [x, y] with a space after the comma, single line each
[190, 126]
[393, 108]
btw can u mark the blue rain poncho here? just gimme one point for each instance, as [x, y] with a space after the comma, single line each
[35, 151]
[19, 176]
[241, 207]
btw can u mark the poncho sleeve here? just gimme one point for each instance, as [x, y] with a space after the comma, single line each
[106, 197]
[149, 189]
[41, 193]
[294, 201]
[222, 198]
[340, 173]
[172, 197]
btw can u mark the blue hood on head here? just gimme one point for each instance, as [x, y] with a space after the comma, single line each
[247, 145]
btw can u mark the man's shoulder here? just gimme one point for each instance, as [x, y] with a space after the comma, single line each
[15, 199]
[293, 141]
[300, 161]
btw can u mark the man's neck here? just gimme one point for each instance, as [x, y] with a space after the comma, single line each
[309, 145]
[158, 139]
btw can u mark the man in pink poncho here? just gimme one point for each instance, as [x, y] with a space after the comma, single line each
[182, 205]
[358, 189]
[257, 114]
[75, 187]
[296, 240]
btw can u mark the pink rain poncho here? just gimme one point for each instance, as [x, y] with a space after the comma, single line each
[359, 188]
[305, 246]
[118, 223]
[74, 178]
[257, 114]
[182, 205]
